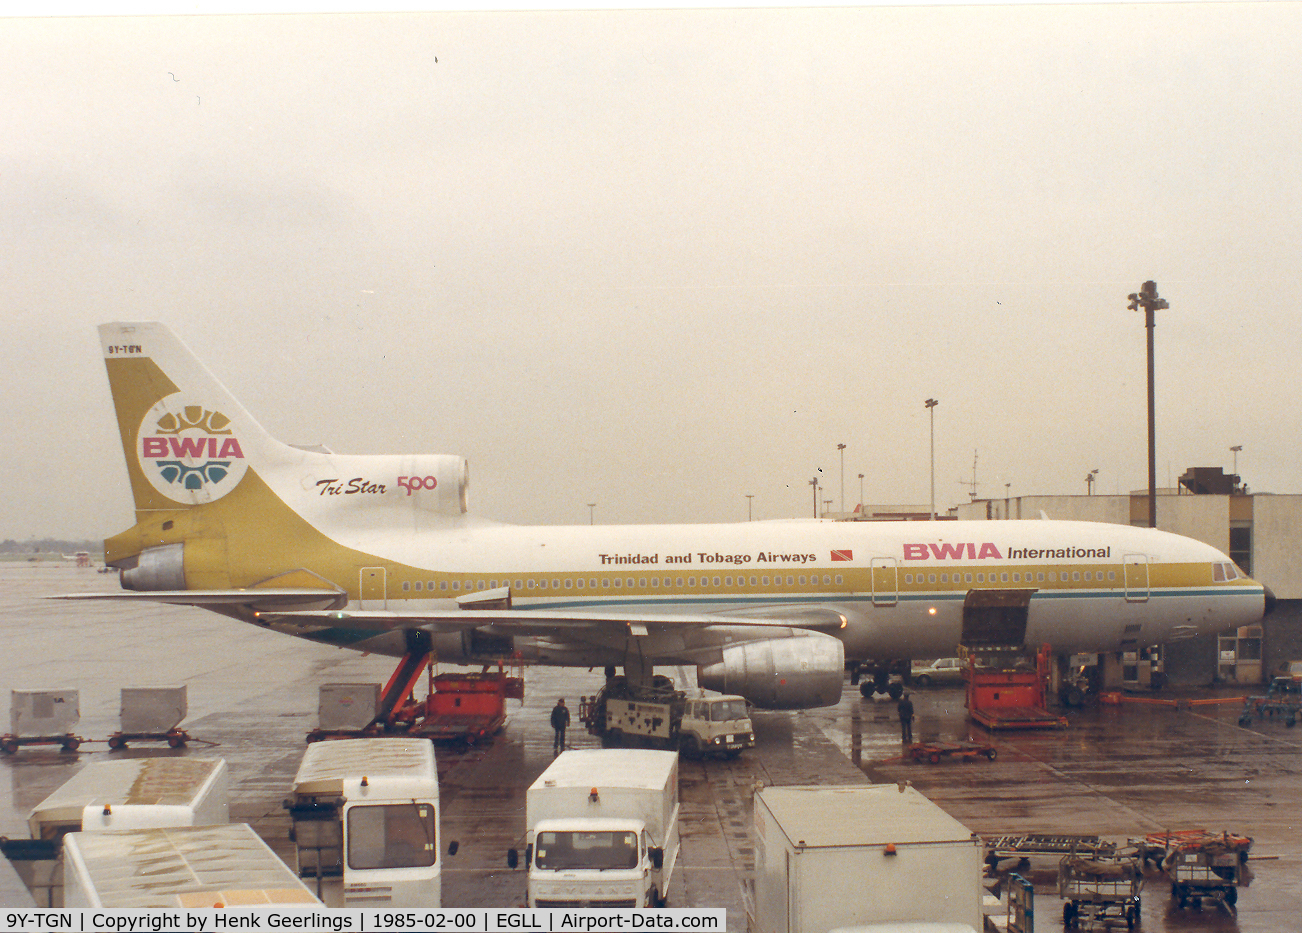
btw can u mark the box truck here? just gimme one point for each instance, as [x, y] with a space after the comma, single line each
[851, 857]
[182, 867]
[135, 793]
[365, 818]
[602, 829]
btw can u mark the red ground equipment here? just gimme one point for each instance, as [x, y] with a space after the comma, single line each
[1007, 685]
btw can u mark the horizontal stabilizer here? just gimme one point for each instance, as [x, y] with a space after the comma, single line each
[286, 599]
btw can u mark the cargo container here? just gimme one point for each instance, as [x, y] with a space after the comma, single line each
[847, 857]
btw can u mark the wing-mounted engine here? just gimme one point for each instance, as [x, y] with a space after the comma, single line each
[781, 673]
[355, 487]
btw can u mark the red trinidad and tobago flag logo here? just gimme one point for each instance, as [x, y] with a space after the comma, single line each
[843, 555]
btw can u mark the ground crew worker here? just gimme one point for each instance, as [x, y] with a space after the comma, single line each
[560, 719]
[906, 719]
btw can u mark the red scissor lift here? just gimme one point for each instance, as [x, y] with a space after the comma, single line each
[462, 707]
[458, 707]
[1007, 685]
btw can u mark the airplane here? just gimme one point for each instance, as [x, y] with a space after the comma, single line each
[380, 553]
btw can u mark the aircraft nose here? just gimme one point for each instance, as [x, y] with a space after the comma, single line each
[1270, 602]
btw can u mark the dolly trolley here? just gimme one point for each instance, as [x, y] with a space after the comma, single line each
[1100, 892]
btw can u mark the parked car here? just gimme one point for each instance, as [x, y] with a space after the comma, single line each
[940, 671]
[1288, 677]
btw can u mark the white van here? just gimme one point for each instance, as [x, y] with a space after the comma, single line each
[366, 822]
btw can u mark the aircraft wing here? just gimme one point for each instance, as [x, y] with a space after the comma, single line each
[692, 638]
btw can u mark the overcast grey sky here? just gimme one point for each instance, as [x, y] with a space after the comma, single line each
[663, 260]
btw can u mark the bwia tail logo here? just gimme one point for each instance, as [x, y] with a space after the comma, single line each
[189, 452]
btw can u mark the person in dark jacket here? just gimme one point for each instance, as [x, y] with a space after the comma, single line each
[560, 719]
[906, 719]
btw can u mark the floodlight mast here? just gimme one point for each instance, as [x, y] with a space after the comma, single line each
[1148, 299]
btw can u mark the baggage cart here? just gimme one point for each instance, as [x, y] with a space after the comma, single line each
[1206, 869]
[1100, 892]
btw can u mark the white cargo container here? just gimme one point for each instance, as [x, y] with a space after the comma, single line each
[182, 867]
[366, 822]
[342, 707]
[152, 710]
[34, 713]
[136, 793]
[838, 857]
[602, 829]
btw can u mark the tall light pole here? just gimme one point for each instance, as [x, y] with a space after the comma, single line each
[841, 448]
[1147, 299]
[1235, 450]
[861, 492]
[814, 482]
[1089, 482]
[931, 404]
[591, 506]
[749, 514]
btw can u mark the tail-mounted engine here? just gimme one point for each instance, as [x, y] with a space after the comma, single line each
[155, 568]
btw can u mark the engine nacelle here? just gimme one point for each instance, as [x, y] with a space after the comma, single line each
[800, 672]
[157, 568]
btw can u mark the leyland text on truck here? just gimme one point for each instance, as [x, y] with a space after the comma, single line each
[366, 822]
[602, 830]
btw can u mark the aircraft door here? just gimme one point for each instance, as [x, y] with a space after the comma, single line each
[996, 617]
[373, 588]
[885, 575]
[1136, 574]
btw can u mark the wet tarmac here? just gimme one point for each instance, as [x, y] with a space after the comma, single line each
[1118, 772]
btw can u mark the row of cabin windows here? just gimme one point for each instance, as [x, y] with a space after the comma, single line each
[592, 583]
[1017, 577]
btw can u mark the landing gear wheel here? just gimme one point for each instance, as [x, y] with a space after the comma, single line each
[71, 745]
[1132, 917]
[176, 741]
[895, 691]
[1231, 896]
[866, 689]
[115, 742]
[1069, 913]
